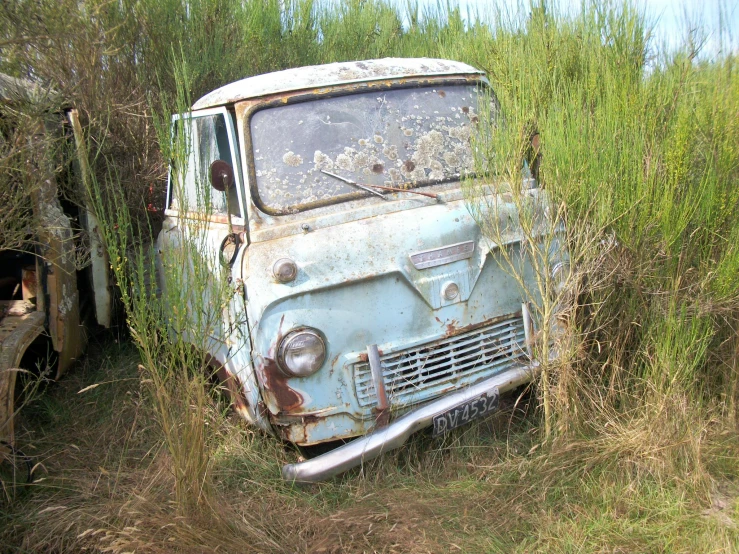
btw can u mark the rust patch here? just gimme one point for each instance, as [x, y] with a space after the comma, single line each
[233, 388]
[452, 329]
[442, 94]
[363, 357]
[382, 417]
[378, 168]
[293, 433]
[275, 382]
[284, 433]
[409, 165]
[333, 365]
[28, 280]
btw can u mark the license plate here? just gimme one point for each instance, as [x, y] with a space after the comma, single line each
[478, 407]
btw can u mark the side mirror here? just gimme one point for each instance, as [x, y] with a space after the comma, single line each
[535, 155]
[221, 175]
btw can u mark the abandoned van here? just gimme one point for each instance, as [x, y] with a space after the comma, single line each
[365, 303]
[54, 281]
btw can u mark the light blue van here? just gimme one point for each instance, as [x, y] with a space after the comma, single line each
[366, 302]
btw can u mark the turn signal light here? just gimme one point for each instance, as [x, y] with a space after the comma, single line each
[285, 270]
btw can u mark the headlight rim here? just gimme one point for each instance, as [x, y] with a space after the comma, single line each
[560, 273]
[284, 342]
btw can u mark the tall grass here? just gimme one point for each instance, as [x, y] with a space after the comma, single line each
[636, 153]
[640, 150]
[172, 319]
[29, 153]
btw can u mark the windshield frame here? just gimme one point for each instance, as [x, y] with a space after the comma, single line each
[332, 92]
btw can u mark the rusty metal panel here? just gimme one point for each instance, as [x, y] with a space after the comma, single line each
[56, 238]
[357, 284]
[17, 332]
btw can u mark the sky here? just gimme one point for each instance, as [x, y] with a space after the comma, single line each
[668, 16]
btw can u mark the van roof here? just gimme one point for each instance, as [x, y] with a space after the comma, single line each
[339, 73]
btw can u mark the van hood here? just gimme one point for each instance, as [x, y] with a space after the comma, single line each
[378, 281]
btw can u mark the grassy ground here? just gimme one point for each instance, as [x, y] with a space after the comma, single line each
[104, 482]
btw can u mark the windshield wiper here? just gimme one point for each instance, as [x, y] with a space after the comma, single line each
[354, 184]
[382, 187]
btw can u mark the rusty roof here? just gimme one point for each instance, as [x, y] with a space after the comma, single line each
[339, 73]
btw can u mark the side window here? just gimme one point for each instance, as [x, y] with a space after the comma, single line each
[199, 141]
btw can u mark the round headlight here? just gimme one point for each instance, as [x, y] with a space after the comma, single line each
[301, 353]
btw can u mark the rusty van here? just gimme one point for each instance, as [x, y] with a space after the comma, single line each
[366, 303]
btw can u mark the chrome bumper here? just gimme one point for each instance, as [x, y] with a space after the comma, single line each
[395, 434]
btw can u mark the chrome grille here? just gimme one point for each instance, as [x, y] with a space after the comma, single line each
[428, 370]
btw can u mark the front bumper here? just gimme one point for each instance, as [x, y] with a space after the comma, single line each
[396, 433]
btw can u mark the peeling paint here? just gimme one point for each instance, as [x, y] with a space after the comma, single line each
[277, 386]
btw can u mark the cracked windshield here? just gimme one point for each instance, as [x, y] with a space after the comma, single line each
[400, 138]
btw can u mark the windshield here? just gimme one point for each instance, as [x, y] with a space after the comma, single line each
[400, 138]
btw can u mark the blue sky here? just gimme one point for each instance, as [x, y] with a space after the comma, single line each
[669, 16]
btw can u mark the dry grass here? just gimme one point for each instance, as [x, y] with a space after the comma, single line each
[106, 484]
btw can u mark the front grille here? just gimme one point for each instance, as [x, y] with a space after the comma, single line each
[423, 372]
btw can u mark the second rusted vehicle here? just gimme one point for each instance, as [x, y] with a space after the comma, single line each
[54, 281]
[366, 303]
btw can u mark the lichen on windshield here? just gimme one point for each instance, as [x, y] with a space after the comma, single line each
[402, 138]
[292, 159]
